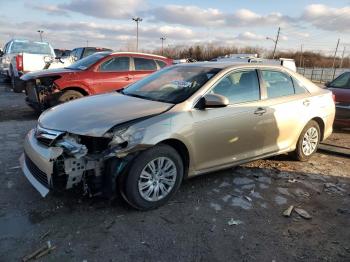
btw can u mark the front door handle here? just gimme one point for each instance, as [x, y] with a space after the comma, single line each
[306, 102]
[260, 111]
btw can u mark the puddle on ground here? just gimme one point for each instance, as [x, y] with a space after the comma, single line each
[283, 191]
[263, 186]
[242, 181]
[224, 184]
[264, 179]
[240, 202]
[216, 207]
[280, 200]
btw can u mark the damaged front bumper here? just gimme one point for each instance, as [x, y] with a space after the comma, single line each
[49, 167]
[37, 163]
[55, 160]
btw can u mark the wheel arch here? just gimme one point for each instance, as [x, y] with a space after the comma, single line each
[321, 124]
[76, 88]
[182, 150]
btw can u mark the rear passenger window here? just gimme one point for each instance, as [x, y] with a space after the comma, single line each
[277, 84]
[145, 64]
[239, 87]
[161, 63]
[298, 87]
[115, 64]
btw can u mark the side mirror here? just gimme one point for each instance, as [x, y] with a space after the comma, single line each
[212, 101]
[75, 58]
[1, 53]
[327, 84]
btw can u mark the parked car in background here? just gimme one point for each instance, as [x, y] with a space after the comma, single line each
[73, 56]
[182, 121]
[22, 56]
[60, 53]
[98, 73]
[253, 58]
[341, 90]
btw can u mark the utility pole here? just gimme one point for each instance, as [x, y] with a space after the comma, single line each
[301, 54]
[275, 41]
[137, 20]
[87, 43]
[41, 34]
[342, 58]
[335, 54]
[163, 39]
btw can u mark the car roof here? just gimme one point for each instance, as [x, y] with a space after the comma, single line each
[138, 53]
[227, 65]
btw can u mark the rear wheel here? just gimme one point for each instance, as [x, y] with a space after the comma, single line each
[69, 95]
[153, 178]
[308, 141]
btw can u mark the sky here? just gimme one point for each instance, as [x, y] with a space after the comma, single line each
[314, 25]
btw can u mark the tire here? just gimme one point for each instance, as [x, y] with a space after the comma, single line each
[133, 182]
[16, 84]
[306, 147]
[69, 95]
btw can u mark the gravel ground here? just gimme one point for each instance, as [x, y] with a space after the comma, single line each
[232, 215]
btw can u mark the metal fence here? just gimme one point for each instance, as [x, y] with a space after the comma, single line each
[321, 75]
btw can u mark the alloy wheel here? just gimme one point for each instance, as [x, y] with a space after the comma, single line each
[157, 179]
[310, 141]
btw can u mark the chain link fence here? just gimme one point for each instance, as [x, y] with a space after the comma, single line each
[321, 75]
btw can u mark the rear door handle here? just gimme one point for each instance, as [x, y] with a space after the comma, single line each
[129, 77]
[306, 102]
[260, 111]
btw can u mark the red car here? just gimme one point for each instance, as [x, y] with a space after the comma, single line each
[341, 89]
[98, 73]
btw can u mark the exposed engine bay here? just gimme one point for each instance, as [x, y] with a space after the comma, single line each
[91, 163]
[41, 92]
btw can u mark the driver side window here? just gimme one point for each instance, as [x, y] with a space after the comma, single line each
[239, 87]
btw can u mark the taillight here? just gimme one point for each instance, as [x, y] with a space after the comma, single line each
[333, 96]
[19, 62]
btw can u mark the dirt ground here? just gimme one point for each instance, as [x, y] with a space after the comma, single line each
[232, 215]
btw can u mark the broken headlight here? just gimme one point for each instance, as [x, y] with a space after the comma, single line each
[127, 136]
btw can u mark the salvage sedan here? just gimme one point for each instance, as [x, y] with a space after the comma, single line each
[180, 122]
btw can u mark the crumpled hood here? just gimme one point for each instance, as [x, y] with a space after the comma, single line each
[95, 115]
[46, 72]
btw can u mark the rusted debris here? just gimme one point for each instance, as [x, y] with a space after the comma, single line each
[40, 252]
[288, 211]
[45, 234]
[302, 213]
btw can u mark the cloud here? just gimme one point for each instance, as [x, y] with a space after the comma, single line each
[196, 16]
[328, 18]
[187, 15]
[249, 36]
[50, 9]
[73, 34]
[113, 9]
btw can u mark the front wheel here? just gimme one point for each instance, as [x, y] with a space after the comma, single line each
[308, 141]
[153, 178]
[69, 95]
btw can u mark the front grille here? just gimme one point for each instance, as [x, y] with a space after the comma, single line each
[36, 172]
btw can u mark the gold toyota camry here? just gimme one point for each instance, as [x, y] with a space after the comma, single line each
[182, 121]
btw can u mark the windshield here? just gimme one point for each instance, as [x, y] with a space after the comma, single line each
[173, 84]
[31, 48]
[88, 61]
